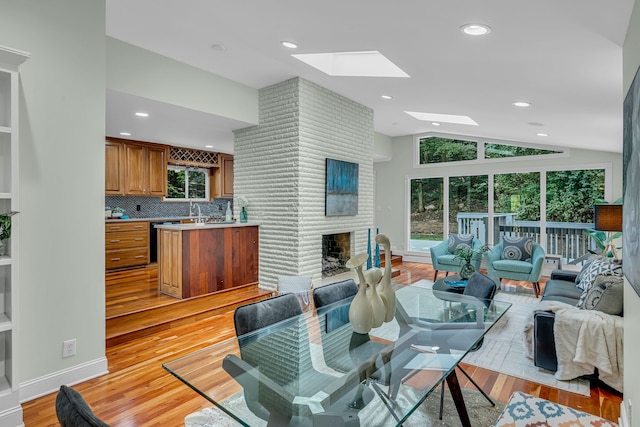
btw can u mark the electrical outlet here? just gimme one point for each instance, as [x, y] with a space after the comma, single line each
[69, 348]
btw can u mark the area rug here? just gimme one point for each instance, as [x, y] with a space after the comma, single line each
[480, 411]
[503, 345]
[524, 410]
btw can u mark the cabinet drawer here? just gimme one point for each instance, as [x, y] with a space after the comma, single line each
[126, 239]
[127, 258]
[111, 227]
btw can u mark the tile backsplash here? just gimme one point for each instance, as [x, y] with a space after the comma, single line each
[154, 207]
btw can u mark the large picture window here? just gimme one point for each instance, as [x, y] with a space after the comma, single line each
[187, 183]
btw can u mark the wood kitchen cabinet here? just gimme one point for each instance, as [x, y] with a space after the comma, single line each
[114, 168]
[195, 261]
[223, 177]
[135, 169]
[126, 244]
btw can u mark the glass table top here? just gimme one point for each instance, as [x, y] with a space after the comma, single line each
[313, 369]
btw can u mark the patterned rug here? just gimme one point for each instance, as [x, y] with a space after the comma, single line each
[503, 345]
[482, 414]
[524, 410]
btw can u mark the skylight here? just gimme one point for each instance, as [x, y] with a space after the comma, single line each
[443, 118]
[352, 64]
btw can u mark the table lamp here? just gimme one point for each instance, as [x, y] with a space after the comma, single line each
[608, 218]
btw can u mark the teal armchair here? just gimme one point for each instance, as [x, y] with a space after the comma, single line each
[444, 260]
[499, 268]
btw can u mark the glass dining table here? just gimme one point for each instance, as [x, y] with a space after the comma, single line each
[314, 370]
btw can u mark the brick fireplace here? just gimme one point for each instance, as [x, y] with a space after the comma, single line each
[336, 251]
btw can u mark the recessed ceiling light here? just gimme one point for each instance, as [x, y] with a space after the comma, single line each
[475, 29]
[522, 104]
[542, 134]
[443, 118]
[125, 134]
[353, 64]
[387, 97]
[208, 146]
[290, 45]
[140, 114]
[435, 124]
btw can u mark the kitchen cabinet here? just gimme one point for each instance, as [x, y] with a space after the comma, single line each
[114, 168]
[126, 244]
[198, 260]
[135, 169]
[10, 409]
[223, 177]
[146, 170]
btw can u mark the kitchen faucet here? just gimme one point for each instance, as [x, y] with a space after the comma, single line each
[200, 219]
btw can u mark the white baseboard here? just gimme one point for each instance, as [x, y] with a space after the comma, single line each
[50, 383]
[623, 420]
[12, 417]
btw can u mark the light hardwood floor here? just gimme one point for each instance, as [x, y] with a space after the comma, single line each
[138, 392]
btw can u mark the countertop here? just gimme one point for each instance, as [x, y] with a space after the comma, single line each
[194, 226]
[171, 218]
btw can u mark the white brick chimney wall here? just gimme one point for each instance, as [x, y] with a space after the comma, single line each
[279, 167]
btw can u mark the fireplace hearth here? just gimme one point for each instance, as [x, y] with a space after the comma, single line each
[336, 251]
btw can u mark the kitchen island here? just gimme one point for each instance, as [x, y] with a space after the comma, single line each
[198, 259]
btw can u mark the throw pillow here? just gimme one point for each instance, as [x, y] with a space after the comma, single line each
[585, 264]
[600, 266]
[517, 248]
[457, 241]
[606, 295]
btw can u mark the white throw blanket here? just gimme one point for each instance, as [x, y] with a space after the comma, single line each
[585, 339]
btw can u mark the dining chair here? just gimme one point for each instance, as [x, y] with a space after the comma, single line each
[275, 368]
[484, 288]
[73, 411]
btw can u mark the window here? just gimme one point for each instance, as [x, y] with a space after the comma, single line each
[499, 151]
[186, 183]
[440, 150]
[426, 221]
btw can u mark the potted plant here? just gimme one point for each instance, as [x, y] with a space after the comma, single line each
[5, 229]
[467, 254]
[117, 212]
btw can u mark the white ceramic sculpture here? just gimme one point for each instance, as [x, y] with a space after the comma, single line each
[385, 289]
[360, 312]
[378, 305]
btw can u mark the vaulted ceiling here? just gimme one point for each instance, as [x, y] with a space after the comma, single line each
[563, 57]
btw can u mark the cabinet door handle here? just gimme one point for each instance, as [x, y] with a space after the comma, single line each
[115, 241]
[138, 226]
[138, 239]
[140, 256]
[114, 228]
[115, 259]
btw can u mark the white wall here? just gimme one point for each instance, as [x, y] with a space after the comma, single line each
[140, 72]
[391, 180]
[631, 61]
[61, 183]
[279, 166]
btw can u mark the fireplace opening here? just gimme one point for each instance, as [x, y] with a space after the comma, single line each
[336, 251]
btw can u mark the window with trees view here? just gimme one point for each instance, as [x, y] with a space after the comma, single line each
[433, 150]
[440, 150]
[517, 208]
[500, 151]
[187, 183]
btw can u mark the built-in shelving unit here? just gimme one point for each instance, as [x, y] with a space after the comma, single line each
[10, 409]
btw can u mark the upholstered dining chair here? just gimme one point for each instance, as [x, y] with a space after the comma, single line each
[484, 288]
[443, 256]
[73, 411]
[276, 387]
[516, 258]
